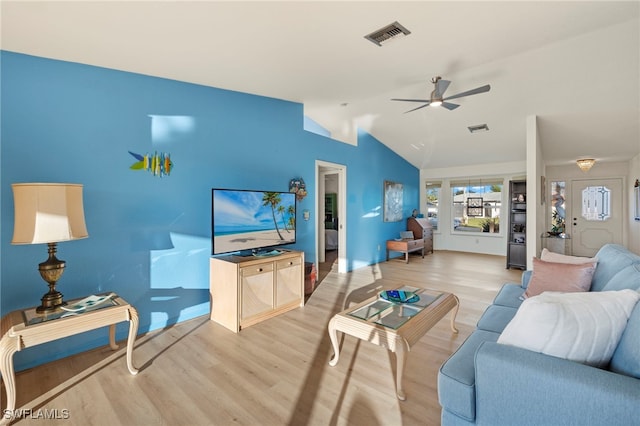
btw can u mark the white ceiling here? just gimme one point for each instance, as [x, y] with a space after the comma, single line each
[576, 65]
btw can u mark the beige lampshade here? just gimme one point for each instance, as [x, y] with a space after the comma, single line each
[47, 213]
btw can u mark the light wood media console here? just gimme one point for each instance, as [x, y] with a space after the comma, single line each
[247, 290]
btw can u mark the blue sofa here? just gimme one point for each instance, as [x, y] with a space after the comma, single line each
[487, 383]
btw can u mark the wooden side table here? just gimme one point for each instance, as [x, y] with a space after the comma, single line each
[25, 328]
[405, 246]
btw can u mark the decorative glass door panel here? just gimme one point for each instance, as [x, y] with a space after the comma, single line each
[596, 214]
[596, 203]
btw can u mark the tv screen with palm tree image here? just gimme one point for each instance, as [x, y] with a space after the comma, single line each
[251, 222]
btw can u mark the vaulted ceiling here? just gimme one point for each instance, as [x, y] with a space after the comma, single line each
[575, 65]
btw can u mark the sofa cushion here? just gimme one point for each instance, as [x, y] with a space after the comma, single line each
[629, 277]
[495, 318]
[626, 358]
[549, 256]
[450, 419]
[564, 277]
[509, 295]
[526, 276]
[456, 379]
[580, 327]
[612, 258]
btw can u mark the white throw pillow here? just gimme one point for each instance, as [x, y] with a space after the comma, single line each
[549, 256]
[581, 327]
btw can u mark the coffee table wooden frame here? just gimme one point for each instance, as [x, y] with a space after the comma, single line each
[397, 340]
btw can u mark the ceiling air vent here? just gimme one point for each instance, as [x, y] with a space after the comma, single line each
[478, 128]
[388, 33]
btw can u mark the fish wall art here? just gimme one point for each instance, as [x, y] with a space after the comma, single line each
[158, 164]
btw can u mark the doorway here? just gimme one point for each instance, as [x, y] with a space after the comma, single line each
[331, 231]
[596, 213]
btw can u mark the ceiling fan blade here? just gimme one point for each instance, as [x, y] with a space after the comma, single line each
[412, 100]
[449, 105]
[470, 92]
[421, 106]
[441, 87]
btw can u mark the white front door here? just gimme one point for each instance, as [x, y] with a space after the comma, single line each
[596, 210]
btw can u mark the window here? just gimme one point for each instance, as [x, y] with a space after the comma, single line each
[476, 206]
[433, 196]
[558, 215]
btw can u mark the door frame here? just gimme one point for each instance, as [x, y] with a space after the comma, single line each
[323, 168]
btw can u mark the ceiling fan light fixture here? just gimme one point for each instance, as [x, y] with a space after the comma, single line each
[585, 164]
[437, 97]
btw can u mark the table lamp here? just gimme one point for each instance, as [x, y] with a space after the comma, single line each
[48, 213]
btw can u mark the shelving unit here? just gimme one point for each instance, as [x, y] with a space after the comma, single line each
[330, 211]
[516, 245]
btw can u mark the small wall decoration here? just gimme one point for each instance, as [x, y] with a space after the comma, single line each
[297, 186]
[474, 206]
[158, 164]
[636, 198]
[393, 193]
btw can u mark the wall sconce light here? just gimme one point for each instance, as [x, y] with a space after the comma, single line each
[47, 213]
[585, 163]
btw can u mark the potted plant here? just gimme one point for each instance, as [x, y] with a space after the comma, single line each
[557, 224]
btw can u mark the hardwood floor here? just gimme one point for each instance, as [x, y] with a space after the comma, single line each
[330, 264]
[275, 372]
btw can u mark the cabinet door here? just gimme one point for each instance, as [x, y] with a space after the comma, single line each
[517, 255]
[288, 281]
[257, 289]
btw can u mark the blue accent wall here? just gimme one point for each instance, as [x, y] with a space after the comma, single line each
[149, 237]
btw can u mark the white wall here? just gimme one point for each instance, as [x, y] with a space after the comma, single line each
[535, 211]
[444, 238]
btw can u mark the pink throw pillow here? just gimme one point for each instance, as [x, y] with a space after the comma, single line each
[563, 277]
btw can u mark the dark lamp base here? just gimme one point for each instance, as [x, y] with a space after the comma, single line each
[50, 302]
[51, 270]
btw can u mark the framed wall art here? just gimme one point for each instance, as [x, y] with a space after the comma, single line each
[393, 193]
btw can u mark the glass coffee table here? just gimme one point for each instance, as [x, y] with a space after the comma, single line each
[395, 326]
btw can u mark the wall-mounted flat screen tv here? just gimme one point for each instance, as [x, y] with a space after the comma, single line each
[251, 222]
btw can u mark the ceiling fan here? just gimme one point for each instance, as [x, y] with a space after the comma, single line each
[437, 94]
